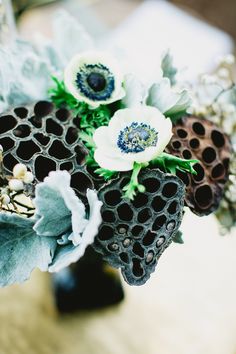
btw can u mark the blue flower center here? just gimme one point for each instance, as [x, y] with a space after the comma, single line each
[136, 138]
[95, 81]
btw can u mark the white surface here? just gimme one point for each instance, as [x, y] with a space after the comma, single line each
[156, 26]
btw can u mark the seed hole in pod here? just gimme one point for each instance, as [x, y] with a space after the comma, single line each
[71, 135]
[144, 215]
[76, 122]
[108, 216]
[113, 197]
[43, 166]
[21, 112]
[105, 233]
[160, 241]
[200, 173]
[198, 128]
[194, 143]
[159, 222]
[226, 163]
[42, 139]
[36, 122]
[217, 138]
[187, 154]
[137, 268]
[172, 208]
[27, 149]
[124, 257]
[122, 229]
[170, 226]
[7, 123]
[140, 200]
[7, 143]
[53, 127]
[169, 189]
[125, 212]
[113, 247]
[138, 250]
[137, 230]
[183, 176]
[127, 242]
[9, 162]
[158, 204]
[62, 114]
[151, 185]
[209, 155]
[68, 166]
[176, 144]
[59, 151]
[81, 154]
[204, 196]
[149, 257]
[81, 182]
[43, 108]
[22, 131]
[182, 134]
[218, 171]
[149, 238]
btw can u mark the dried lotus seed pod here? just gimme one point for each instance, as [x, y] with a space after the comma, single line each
[134, 234]
[45, 139]
[198, 138]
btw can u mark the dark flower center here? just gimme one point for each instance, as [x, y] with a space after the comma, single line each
[136, 138]
[96, 81]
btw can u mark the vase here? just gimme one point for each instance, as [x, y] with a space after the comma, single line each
[88, 284]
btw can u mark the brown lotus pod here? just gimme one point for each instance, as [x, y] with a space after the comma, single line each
[134, 234]
[198, 138]
[45, 139]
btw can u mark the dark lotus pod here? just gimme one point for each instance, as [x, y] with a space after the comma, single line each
[134, 234]
[198, 138]
[44, 139]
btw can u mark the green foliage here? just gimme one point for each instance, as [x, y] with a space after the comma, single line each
[171, 163]
[21, 249]
[106, 174]
[169, 70]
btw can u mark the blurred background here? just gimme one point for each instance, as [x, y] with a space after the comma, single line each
[189, 305]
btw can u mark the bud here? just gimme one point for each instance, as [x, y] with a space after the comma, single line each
[5, 199]
[19, 170]
[28, 177]
[15, 185]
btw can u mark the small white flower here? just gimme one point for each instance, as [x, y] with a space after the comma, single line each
[5, 199]
[16, 185]
[28, 177]
[95, 78]
[19, 171]
[133, 135]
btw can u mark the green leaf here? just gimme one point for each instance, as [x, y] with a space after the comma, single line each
[54, 216]
[58, 209]
[170, 102]
[21, 249]
[171, 163]
[106, 174]
[168, 68]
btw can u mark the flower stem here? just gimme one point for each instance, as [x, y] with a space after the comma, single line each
[134, 186]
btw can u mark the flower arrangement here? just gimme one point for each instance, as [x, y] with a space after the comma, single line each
[95, 158]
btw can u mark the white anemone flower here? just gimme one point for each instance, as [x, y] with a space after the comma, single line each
[137, 134]
[95, 78]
